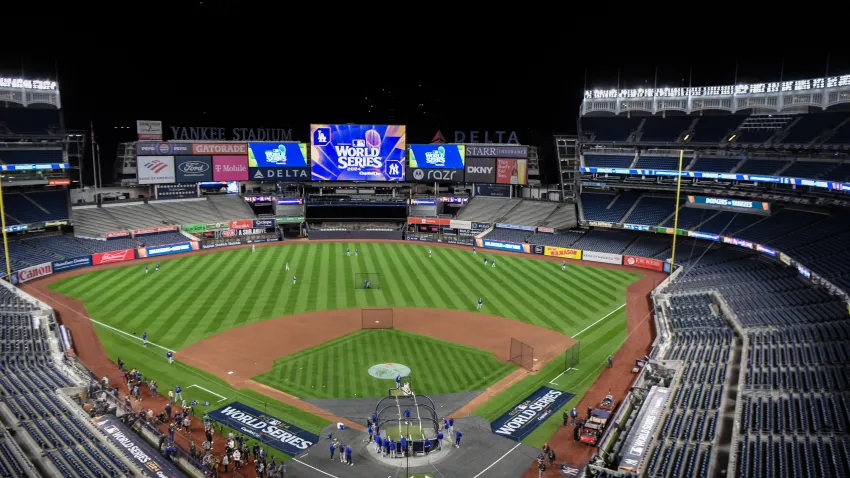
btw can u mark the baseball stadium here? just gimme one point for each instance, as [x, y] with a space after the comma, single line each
[353, 305]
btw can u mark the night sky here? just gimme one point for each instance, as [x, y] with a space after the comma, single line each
[266, 75]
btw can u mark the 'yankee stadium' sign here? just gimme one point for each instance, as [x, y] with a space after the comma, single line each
[267, 429]
[526, 416]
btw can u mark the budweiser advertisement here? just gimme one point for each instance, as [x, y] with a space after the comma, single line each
[644, 262]
[113, 256]
[35, 272]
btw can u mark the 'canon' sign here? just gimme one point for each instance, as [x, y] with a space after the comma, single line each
[35, 272]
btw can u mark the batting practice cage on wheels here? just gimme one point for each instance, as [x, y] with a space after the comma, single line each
[367, 280]
[420, 429]
[376, 318]
[522, 354]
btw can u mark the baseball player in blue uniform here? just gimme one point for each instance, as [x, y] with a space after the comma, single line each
[564, 266]
[485, 262]
[493, 262]
[348, 456]
[451, 423]
[177, 393]
[403, 445]
[407, 415]
[348, 252]
[377, 443]
[156, 268]
[146, 268]
[356, 252]
[458, 436]
[480, 303]
[367, 284]
[474, 253]
[145, 339]
[398, 381]
[369, 429]
[332, 450]
[170, 356]
[293, 280]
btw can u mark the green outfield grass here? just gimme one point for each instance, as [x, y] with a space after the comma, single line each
[194, 297]
[338, 369]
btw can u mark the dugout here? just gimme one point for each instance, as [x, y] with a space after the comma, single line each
[421, 428]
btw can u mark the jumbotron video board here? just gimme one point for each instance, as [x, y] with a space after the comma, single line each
[345, 152]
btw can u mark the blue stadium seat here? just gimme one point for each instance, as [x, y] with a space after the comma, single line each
[609, 128]
[29, 121]
[31, 157]
[660, 129]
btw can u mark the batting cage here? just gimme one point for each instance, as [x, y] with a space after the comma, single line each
[522, 354]
[376, 318]
[367, 280]
[420, 429]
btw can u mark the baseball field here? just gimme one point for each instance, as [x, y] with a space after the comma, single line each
[218, 308]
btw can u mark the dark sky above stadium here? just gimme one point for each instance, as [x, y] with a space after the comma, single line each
[200, 66]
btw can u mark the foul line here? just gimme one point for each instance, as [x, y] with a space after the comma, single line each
[223, 398]
[559, 375]
[497, 461]
[600, 320]
[313, 467]
[127, 334]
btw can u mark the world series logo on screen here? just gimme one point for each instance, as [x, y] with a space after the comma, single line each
[357, 152]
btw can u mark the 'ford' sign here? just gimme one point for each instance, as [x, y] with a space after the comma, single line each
[264, 428]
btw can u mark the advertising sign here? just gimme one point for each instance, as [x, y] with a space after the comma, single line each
[457, 224]
[728, 203]
[35, 272]
[530, 413]
[429, 220]
[155, 169]
[493, 190]
[110, 235]
[481, 170]
[154, 230]
[163, 149]
[242, 224]
[149, 130]
[113, 256]
[264, 428]
[535, 249]
[220, 149]
[230, 168]
[72, 263]
[194, 228]
[344, 152]
[58, 182]
[279, 174]
[277, 155]
[263, 223]
[515, 227]
[564, 252]
[507, 246]
[602, 257]
[546, 229]
[166, 250]
[193, 169]
[511, 171]
[176, 191]
[437, 156]
[639, 438]
[149, 462]
[496, 151]
[419, 175]
[644, 262]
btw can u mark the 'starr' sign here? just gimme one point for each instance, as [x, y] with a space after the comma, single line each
[208, 133]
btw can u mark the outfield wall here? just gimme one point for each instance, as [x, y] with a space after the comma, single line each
[357, 235]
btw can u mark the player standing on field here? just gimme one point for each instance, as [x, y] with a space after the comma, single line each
[293, 280]
[473, 251]
[146, 268]
[287, 266]
[348, 252]
[480, 303]
[156, 268]
[356, 252]
[145, 339]
[494, 262]
[429, 252]
[564, 266]
[253, 248]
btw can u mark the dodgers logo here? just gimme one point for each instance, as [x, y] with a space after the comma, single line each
[322, 136]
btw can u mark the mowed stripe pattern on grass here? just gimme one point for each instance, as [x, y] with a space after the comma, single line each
[197, 296]
[339, 368]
